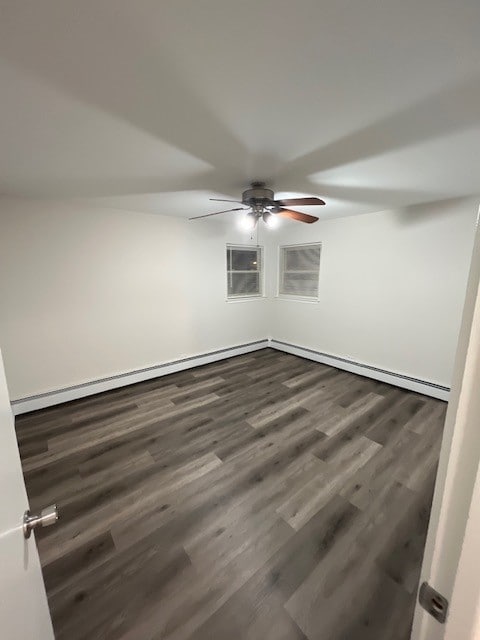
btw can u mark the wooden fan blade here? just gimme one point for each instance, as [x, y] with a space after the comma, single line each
[299, 202]
[207, 215]
[221, 200]
[297, 215]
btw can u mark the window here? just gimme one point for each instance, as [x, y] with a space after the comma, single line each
[244, 271]
[299, 270]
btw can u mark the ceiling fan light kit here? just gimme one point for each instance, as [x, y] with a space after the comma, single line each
[250, 221]
[260, 203]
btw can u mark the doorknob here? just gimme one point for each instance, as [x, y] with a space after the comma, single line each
[45, 518]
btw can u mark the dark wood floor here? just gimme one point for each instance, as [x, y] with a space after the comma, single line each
[264, 497]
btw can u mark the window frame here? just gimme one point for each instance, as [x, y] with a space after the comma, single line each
[280, 272]
[261, 273]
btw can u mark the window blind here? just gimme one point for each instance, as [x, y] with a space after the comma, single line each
[299, 270]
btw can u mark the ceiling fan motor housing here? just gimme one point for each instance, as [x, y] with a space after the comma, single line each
[258, 198]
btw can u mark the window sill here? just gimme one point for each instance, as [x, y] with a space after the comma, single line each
[244, 299]
[298, 299]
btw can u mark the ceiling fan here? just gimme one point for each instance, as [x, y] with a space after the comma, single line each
[260, 204]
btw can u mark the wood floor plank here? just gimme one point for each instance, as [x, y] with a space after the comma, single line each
[260, 599]
[380, 471]
[349, 574]
[314, 495]
[336, 424]
[250, 498]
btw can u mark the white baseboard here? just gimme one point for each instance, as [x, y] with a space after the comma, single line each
[51, 398]
[397, 379]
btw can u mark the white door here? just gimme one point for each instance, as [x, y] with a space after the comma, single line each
[456, 478]
[24, 611]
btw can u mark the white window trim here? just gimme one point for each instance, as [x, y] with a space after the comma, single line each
[287, 296]
[251, 296]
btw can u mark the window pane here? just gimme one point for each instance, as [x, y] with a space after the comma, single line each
[300, 284]
[245, 260]
[243, 284]
[244, 268]
[299, 270]
[302, 258]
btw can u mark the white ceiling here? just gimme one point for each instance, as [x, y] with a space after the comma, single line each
[157, 105]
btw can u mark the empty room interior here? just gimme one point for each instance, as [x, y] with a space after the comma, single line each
[236, 246]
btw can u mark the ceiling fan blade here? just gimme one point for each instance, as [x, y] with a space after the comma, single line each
[297, 215]
[299, 202]
[221, 200]
[207, 215]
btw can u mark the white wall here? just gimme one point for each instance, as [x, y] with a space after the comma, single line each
[87, 293]
[392, 287]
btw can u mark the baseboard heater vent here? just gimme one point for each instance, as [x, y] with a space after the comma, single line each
[391, 377]
[74, 392]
